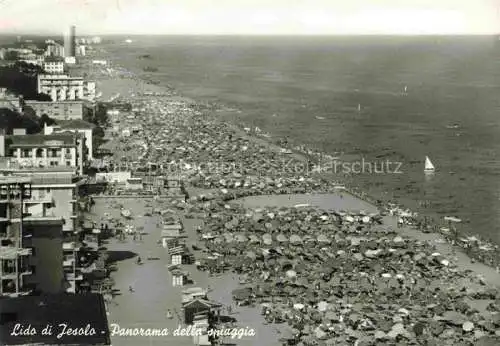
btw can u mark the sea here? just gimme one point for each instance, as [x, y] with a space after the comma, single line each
[372, 98]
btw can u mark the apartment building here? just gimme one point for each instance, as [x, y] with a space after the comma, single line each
[57, 110]
[63, 87]
[64, 149]
[30, 251]
[53, 201]
[31, 58]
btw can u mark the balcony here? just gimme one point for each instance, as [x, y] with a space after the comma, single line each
[70, 246]
[11, 274]
[24, 291]
[69, 262]
[10, 252]
[73, 277]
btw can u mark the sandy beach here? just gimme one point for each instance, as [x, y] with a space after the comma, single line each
[154, 294]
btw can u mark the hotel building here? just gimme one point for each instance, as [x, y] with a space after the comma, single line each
[39, 151]
[63, 87]
[78, 126]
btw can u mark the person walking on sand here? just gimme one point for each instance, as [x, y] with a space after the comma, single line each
[169, 314]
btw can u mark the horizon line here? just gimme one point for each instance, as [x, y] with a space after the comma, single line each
[253, 34]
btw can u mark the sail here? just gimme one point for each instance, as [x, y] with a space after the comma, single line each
[428, 164]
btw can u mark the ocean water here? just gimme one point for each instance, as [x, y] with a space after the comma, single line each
[308, 89]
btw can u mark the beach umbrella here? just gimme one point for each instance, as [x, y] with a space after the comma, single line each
[349, 218]
[281, 238]
[251, 255]
[254, 239]
[298, 306]
[323, 306]
[323, 238]
[267, 239]
[229, 237]
[240, 238]
[295, 239]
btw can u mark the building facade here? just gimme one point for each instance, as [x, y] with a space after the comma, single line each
[81, 50]
[54, 195]
[63, 87]
[78, 126]
[53, 67]
[54, 49]
[58, 110]
[39, 151]
[14, 255]
[33, 59]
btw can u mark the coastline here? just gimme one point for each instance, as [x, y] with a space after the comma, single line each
[301, 152]
[489, 275]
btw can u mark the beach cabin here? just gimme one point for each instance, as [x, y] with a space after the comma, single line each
[133, 184]
[199, 307]
[176, 259]
[177, 279]
[193, 293]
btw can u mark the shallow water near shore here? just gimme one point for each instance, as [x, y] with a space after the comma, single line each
[449, 81]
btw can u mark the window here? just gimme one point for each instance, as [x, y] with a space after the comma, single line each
[68, 163]
[39, 152]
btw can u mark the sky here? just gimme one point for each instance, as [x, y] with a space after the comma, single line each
[254, 17]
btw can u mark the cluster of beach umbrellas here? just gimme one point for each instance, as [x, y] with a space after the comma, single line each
[343, 278]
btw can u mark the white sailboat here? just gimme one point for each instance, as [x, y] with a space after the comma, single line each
[359, 107]
[429, 167]
[406, 89]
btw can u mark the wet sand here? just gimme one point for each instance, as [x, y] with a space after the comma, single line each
[154, 294]
[152, 282]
